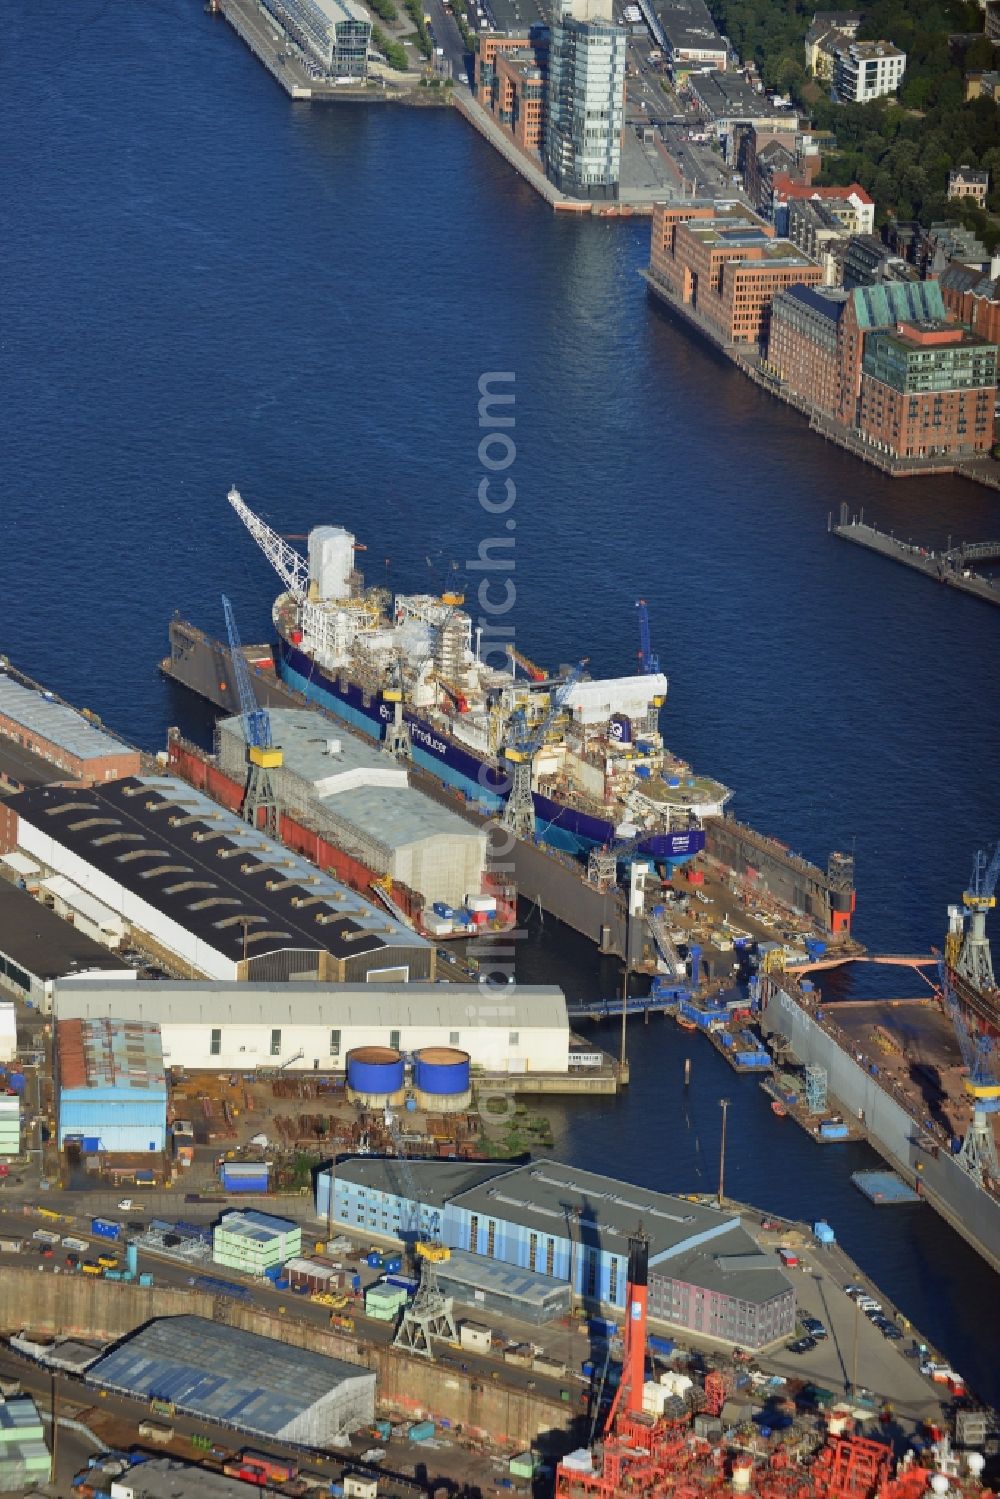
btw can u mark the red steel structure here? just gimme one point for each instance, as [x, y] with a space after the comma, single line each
[644, 1456]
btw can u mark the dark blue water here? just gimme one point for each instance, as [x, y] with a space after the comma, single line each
[208, 285]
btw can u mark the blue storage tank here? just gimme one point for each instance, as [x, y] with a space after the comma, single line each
[375, 1076]
[132, 1258]
[442, 1077]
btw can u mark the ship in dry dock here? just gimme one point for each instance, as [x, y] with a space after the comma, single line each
[408, 672]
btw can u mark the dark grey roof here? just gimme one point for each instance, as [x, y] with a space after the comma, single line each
[464, 1271]
[515, 15]
[688, 24]
[22, 768]
[827, 306]
[222, 1373]
[550, 1198]
[43, 944]
[436, 1181]
[732, 1264]
[206, 870]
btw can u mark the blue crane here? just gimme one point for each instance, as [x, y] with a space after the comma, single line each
[522, 746]
[968, 947]
[262, 754]
[649, 662]
[978, 1155]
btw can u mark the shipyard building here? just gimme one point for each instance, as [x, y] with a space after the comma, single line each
[37, 948]
[707, 1274]
[42, 739]
[312, 1027]
[193, 881]
[250, 1383]
[362, 800]
[112, 1085]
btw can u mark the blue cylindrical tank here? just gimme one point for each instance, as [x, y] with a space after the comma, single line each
[375, 1075]
[132, 1258]
[442, 1077]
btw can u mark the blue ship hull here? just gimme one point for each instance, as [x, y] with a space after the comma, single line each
[479, 781]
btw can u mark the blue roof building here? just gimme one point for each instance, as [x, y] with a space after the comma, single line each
[112, 1085]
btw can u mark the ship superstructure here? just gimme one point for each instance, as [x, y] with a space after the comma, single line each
[410, 671]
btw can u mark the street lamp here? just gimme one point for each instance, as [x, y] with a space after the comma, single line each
[724, 1104]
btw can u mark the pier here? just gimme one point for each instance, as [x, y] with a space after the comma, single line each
[953, 567]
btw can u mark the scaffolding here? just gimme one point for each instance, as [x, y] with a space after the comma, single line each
[817, 1080]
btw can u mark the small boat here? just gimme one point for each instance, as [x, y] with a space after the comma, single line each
[686, 1024]
[779, 1109]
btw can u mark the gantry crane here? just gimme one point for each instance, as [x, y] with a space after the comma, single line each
[523, 745]
[431, 1313]
[978, 1155]
[263, 755]
[602, 862]
[968, 947]
[649, 662]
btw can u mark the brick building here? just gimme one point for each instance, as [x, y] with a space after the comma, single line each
[802, 343]
[974, 299]
[725, 265]
[927, 390]
[886, 362]
[491, 46]
[71, 742]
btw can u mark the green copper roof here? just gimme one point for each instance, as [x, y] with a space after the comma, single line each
[897, 302]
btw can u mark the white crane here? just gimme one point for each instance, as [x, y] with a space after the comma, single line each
[291, 567]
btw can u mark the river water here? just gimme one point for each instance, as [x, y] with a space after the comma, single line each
[208, 285]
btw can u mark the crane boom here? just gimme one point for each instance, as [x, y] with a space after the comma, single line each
[649, 662]
[292, 568]
[256, 720]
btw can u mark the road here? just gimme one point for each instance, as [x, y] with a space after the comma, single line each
[856, 1353]
[449, 38]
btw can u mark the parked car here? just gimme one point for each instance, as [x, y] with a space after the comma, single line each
[814, 1327]
[802, 1345]
[854, 1291]
[892, 1332]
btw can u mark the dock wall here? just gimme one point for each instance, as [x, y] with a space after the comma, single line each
[893, 1132]
[85, 1307]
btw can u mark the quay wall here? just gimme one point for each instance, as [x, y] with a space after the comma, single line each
[890, 1128]
[85, 1307]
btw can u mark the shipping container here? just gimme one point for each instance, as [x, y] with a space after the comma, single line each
[11, 1246]
[275, 1469]
[104, 1228]
[245, 1176]
[421, 1431]
[46, 1236]
[78, 1246]
[788, 1257]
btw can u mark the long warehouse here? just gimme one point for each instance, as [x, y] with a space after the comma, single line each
[311, 1027]
[252, 1383]
[222, 897]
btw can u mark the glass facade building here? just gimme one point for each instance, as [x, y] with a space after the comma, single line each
[586, 101]
[334, 32]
